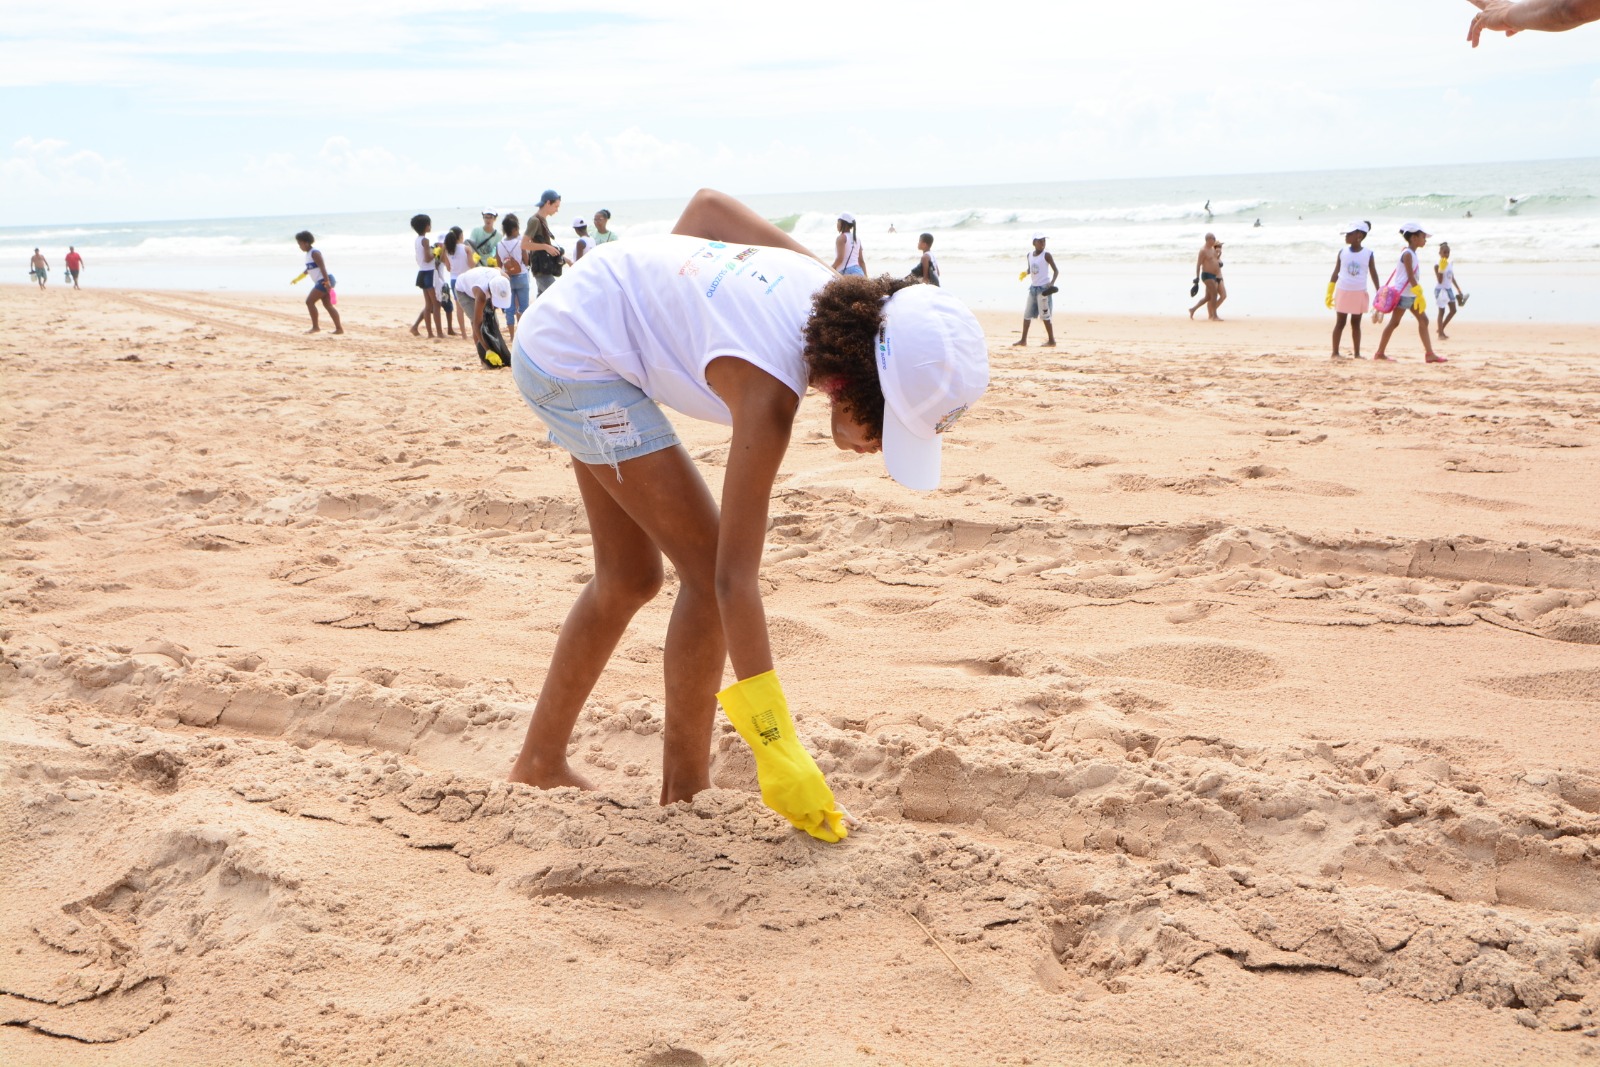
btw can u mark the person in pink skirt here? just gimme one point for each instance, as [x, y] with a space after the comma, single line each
[1347, 289]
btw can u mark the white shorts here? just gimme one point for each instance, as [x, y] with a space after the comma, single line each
[1442, 295]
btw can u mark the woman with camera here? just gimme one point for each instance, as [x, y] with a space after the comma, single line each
[545, 257]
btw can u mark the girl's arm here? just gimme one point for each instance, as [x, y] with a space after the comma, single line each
[861, 258]
[763, 414]
[719, 217]
[1054, 271]
[1411, 271]
[1438, 275]
[839, 245]
[927, 269]
[316, 257]
[1335, 275]
[1372, 269]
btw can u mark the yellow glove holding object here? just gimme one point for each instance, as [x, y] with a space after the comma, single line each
[492, 261]
[1022, 275]
[297, 279]
[791, 784]
[475, 259]
[1421, 304]
[1329, 301]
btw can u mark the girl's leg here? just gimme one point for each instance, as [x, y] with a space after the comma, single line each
[659, 504]
[311, 306]
[1355, 334]
[1427, 340]
[333, 313]
[1338, 332]
[1388, 330]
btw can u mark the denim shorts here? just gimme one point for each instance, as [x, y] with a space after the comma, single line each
[600, 423]
[1407, 301]
[1039, 305]
[519, 296]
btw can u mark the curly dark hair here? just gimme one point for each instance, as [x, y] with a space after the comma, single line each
[841, 339]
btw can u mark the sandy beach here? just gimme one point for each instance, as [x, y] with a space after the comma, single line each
[1228, 705]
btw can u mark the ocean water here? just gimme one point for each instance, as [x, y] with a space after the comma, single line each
[1525, 237]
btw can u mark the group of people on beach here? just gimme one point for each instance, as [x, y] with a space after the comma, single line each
[39, 267]
[497, 266]
[1403, 292]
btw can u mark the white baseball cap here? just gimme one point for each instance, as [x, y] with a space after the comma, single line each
[1359, 225]
[490, 211]
[500, 291]
[1039, 235]
[933, 364]
[579, 223]
[845, 216]
[1413, 227]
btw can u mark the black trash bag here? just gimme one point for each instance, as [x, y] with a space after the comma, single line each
[492, 348]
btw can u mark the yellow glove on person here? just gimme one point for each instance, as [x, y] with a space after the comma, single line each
[1421, 303]
[1329, 300]
[791, 783]
[297, 278]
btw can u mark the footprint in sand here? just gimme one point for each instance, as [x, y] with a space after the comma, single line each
[1200, 664]
[1578, 684]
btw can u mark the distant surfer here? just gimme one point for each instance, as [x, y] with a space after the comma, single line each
[1208, 211]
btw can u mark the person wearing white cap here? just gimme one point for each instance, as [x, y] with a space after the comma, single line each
[486, 286]
[1407, 278]
[580, 226]
[847, 258]
[1041, 274]
[729, 320]
[483, 238]
[1347, 289]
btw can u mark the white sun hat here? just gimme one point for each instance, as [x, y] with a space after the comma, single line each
[845, 216]
[1039, 235]
[1358, 225]
[933, 364]
[500, 291]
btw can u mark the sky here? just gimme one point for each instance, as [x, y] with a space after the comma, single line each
[171, 109]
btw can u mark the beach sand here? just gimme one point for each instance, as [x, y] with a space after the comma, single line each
[1228, 706]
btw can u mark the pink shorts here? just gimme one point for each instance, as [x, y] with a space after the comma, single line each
[1350, 301]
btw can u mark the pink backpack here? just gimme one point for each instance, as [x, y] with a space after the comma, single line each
[1387, 298]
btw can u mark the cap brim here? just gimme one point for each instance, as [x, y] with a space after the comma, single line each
[912, 461]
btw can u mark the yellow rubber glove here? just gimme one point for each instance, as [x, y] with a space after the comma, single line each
[297, 279]
[475, 259]
[1421, 304]
[491, 262]
[1022, 275]
[1329, 301]
[791, 783]
[1444, 265]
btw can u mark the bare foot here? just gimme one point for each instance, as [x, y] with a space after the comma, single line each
[315, 329]
[1443, 336]
[1431, 358]
[339, 331]
[1381, 358]
[549, 779]
[1192, 311]
[414, 332]
[1048, 344]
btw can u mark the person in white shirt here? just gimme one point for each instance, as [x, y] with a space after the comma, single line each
[847, 257]
[585, 242]
[513, 263]
[727, 319]
[482, 287]
[1347, 289]
[422, 249]
[457, 256]
[1446, 290]
[1407, 278]
[1041, 273]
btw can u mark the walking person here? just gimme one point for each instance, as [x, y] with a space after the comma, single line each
[847, 247]
[545, 257]
[1408, 274]
[74, 265]
[1041, 273]
[729, 320]
[39, 268]
[322, 283]
[1347, 288]
[1446, 290]
[1208, 271]
[423, 251]
[510, 254]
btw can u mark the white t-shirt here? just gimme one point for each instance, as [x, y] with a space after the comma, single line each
[1448, 280]
[655, 311]
[424, 250]
[852, 251]
[1038, 269]
[476, 278]
[1353, 269]
[1400, 282]
[508, 250]
[461, 262]
[585, 245]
